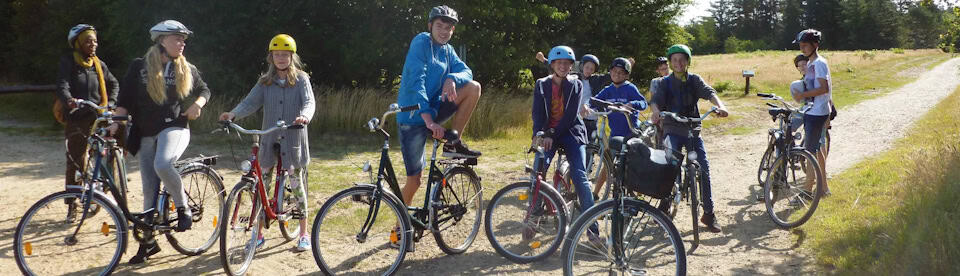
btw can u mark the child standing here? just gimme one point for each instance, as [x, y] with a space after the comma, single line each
[285, 93]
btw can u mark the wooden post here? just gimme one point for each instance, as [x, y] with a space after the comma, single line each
[747, 74]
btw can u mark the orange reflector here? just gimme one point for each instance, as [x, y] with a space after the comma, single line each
[394, 238]
[535, 244]
[522, 196]
[444, 182]
[28, 248]
[172, 208]
[286, 224]
[214, 220]
[105, 229]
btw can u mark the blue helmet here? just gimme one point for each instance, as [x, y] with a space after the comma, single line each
[561, 52]
[590, 58]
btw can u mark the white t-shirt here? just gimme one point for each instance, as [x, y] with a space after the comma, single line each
[585, 98]
[817, 69]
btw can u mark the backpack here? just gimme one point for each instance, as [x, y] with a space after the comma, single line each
[649, 171]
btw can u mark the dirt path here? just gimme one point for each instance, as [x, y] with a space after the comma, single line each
[31, 167]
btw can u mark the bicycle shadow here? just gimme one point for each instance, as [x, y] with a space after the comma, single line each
[753, 231]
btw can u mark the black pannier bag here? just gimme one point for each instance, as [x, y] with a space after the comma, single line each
[649, 171]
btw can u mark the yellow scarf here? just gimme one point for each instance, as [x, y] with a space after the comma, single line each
[95, 62]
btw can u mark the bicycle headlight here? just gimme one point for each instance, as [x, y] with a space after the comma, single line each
[245, 166]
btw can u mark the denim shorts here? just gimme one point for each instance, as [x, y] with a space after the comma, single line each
[413, 138]
[813, 134]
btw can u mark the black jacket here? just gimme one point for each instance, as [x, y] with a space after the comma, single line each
[76, 82]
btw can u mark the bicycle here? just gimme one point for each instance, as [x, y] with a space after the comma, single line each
[451, 211]
[796, 121]
[686, 184]
[788, 201]
[635, 232]
[541, 209]
[42, 233]
[600, 145]
[249, 209]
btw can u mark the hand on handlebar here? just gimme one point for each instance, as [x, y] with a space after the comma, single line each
[437, 130]
[301, 120]
[547, 143]
[227, 116]
[722, 112]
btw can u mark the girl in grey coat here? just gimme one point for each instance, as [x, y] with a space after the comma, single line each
[285, 94]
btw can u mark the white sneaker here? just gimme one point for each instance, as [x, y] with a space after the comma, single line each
[303, 244]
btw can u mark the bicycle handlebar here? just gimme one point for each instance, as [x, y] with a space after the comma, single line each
[280, 125]
[682, 119]
[624, 109]
[105, 116]
[374, 124]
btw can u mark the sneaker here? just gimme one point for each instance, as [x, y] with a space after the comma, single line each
[303, 244]
[146, 250]
[72, 210]
[710, 221]
[184, 220]
[459, 150]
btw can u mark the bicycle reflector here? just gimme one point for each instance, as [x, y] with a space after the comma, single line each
[28, 248]
[245, 166]
[522, 196]
[105, 229]
[535, 244]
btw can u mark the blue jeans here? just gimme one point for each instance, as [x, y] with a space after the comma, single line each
[677, 142]
[414, 137]
[575, 155]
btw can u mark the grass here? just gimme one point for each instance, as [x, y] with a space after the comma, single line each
[896, 213]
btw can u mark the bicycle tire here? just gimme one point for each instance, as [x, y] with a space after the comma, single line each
[32, 241]
[765, 161]
[458, 199]
[204, 190]
[694, 208]
[778, 188]
[550, 197]
[240, 230]
[289, 205]
[663, 260]
[335, 238]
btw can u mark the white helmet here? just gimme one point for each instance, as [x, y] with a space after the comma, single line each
[168, 27]
[75, 31]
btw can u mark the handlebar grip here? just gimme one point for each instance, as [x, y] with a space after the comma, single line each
[410, 108]
[765, 95]
[599, 102]
[772, 105]
[295, 127]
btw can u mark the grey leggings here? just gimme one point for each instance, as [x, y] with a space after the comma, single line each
[157, 154]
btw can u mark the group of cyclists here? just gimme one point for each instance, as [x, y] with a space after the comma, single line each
[162, 92]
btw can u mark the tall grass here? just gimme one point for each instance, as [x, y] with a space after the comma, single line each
[897, 213]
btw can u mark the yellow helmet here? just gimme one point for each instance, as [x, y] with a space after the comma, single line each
[283, 42]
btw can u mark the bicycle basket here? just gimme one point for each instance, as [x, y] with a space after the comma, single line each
[649, 171]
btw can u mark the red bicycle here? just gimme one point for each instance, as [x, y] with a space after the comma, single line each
[248, 209]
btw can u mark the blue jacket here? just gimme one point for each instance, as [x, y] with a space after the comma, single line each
[626, 93]
[427, 67]
[571, 123]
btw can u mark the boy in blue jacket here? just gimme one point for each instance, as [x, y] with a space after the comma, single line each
[443, 85]
[556, 112]
[624, 92]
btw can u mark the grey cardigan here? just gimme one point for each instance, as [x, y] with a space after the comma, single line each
[281, 103]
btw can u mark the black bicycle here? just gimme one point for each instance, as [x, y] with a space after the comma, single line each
[624, 235]
[794, 182]
[47, 244]
[367, 229]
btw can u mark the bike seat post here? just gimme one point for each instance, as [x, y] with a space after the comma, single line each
[436, 144]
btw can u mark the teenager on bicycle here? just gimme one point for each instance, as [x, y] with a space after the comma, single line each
[679, 93]
[156, 92]
[819, 92]
[81, 76]
[624, 92]
[443, 85]
[556, 112]
[285, 93]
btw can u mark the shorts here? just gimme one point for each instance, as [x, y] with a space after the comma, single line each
[414, 137]
[813, 132]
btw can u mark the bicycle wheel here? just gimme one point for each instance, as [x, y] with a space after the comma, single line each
[789, 201]
[243, 214]
[765, 162]
[651, 244]
[290, 221]
[525, 227]
[44, 244]
[340, 246]
[457, 210]
[693, 179]
[205, 198]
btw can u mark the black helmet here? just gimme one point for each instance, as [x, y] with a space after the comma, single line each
[444, 12]
[808, 35]
[661, 60]
[622, 63]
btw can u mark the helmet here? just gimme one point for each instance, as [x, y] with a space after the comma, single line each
[808, 35]
[561, 52]
[168, 27]
[443, 12]
[75, 31]
[622, 63]
[590, 58]
[661, 60]
[282, 42]
[679, 48]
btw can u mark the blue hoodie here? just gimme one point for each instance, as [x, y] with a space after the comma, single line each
[626, 93]
[427, 67]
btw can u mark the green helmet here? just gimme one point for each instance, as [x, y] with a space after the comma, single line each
[679, 48]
